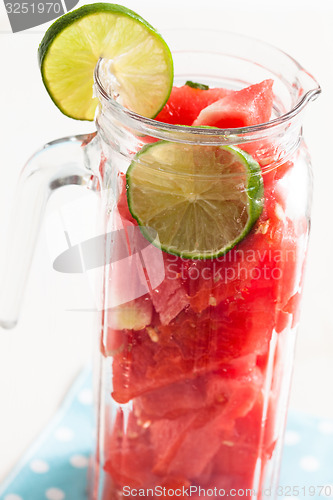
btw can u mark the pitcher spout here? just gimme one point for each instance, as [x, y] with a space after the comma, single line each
[308, 87]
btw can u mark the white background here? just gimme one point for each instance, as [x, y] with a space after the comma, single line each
[40, 358]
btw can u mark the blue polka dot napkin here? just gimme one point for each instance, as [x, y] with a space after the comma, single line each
[55, 468]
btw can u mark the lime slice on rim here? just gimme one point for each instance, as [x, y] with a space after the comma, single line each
[139, 59]
[201, 200]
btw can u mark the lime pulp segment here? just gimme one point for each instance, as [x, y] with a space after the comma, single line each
[140, 60]
[201, 200]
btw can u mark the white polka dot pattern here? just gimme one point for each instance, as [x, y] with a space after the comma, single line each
[291, 438]
[64, 434]
[39, 466]
[54, 494]
[309, 463]
[85, 397]
[79, 461]
[325, 427]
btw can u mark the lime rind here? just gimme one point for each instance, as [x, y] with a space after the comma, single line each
[81, 88]
[255, 187]
[254, 192]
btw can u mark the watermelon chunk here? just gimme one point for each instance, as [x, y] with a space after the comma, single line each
[170, 297]
[126, 442]
[235, 462]
[185, 103]
[249, 106]
[175, 441]
[228, 387]
[234, 396]
[143, 365]
[172, 401]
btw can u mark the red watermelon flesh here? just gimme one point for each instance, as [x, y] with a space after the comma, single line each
[236, 466]
[185, 103]
[126, 441]
[122, 204]
[143, 365]
[250, 106]
[174, 483]
[265, 262]
[225, 387]
[196, 373]
[187, 460]
[233, 396]
[224, 333]
[172, 401]
[239, 323]
[170, 297]
[236, 459]
[176, 443]
[203, 430]
[293, 308]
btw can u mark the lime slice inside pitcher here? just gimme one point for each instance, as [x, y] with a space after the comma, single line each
[139, 61]
[201, 200]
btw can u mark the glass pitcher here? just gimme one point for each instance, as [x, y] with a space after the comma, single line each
[195, 356]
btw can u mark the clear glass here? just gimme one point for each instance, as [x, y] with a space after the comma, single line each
[195, 356]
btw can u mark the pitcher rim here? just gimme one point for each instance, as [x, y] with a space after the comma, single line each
[215, 132]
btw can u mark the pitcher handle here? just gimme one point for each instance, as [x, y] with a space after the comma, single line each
[59, 163]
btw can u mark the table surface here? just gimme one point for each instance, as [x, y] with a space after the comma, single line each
[41, 357]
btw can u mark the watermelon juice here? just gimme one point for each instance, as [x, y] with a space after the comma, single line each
[198, 363]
